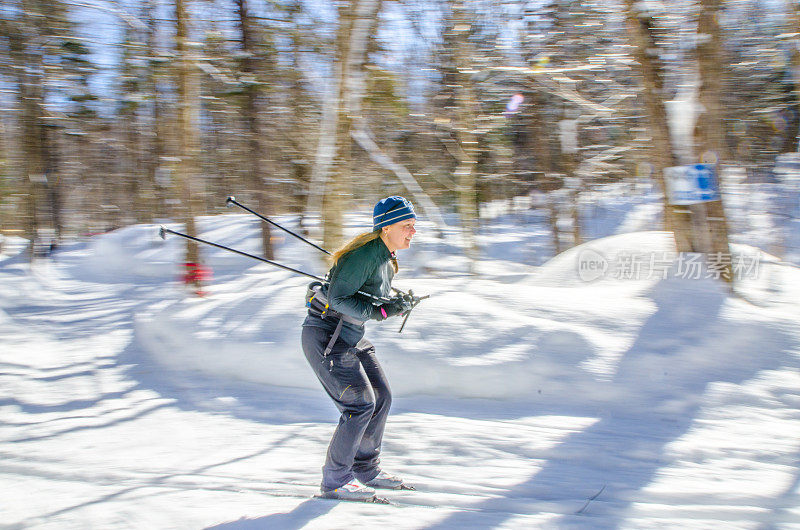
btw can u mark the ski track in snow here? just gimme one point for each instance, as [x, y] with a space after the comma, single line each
[125, 405]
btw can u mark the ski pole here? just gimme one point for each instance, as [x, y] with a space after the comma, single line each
[232, 200]
[164, 231]
[415, 300]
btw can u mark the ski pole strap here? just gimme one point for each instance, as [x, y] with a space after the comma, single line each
[335, 336]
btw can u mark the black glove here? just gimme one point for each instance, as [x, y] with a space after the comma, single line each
[396, 306]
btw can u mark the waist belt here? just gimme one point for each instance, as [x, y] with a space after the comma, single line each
[317, 304]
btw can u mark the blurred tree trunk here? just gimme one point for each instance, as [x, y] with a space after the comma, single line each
[298, 102]
[28, 66]
[356, 17]
[539, 144]
[709, 133]
[154, 149]
[794, 21]
[53, 183]
[188, 97]
[7, 221]
[337, 197]
[256, 159]
[131, 130]
[644, 49]
[575, 197]
[568, 130]
[552, 210]
[466, 114]
[33, 143]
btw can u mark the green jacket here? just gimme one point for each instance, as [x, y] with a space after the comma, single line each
[367, 268]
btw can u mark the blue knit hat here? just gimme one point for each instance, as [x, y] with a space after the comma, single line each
[392, 210]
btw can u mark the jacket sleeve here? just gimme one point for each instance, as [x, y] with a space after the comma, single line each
[352, 271]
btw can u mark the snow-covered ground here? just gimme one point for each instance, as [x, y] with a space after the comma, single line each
[520, 392]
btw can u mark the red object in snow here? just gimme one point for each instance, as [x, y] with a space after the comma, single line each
[196, 274]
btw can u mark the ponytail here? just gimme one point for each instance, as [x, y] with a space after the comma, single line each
[359, 241]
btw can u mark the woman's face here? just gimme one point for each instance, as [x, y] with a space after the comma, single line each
[398, 236]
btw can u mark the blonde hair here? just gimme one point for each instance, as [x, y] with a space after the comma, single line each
[359, 241]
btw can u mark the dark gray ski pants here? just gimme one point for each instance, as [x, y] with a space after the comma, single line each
[354, 380]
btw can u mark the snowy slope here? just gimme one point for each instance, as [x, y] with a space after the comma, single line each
[520, 393]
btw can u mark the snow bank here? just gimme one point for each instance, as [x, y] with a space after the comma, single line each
[548, 336]
[247, 329]
[11, 246]
[137, 252]
[565, 269]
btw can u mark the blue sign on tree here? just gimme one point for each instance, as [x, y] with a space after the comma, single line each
[692, 184]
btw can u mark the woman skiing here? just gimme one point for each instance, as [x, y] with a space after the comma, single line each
[345, 363]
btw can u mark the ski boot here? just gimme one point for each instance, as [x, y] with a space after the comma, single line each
[352, 491]
[386, 481]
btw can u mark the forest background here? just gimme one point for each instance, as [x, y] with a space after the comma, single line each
[114, 113]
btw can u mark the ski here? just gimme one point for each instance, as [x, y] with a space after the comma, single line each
[369, 500]
[403, 486]
[425, 499]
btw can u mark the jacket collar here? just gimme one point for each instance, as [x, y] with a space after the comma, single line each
[383, 251]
